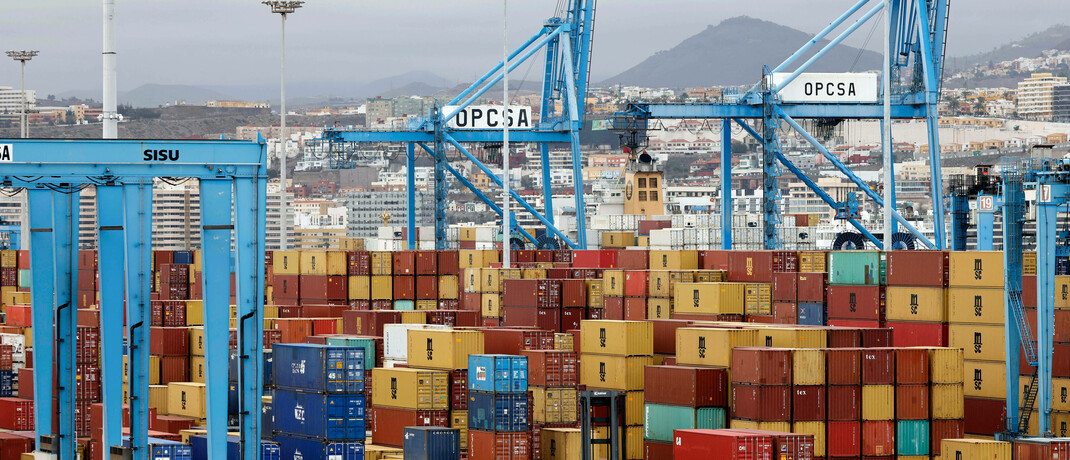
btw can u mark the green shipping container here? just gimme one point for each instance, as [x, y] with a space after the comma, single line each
[912, 437]
[404, 305]
[367, 344]
[855, 267]
[25, 280]
[660, 420]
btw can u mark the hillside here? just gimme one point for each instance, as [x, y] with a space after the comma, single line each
[1055, 37]
[733, 53]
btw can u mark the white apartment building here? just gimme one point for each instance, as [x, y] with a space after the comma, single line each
[11, 101]
[1036, 96]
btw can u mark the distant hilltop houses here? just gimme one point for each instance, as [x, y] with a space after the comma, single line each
[236, 104]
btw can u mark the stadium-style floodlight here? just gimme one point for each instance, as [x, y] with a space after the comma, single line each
[23, 56]
[283, 8]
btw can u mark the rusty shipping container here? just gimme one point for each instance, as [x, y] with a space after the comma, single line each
[761, 366]
[686, 386]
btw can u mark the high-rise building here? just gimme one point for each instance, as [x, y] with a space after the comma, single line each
[367, 207]
[11, 101]
[1036, 96]
[1061, 103]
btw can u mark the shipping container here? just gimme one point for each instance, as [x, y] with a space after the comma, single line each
[908, 303]
[506, 341]
[312, 449]
[761, 366]
[975, 269]
[686, 386]
[406, 388]
[765, 403]
[844, 439]
[432, 443]
[878, 438]
[808, 366]
[943, 429]
[978, 342]
[854, 267]
[854, 302]
[844, 402]
[975, 449]
[327, 417]
[485, 445]
[389, 423]
[557, 405]
[318, 368]
[613, 372]
[878, 366]
[618, 338]
[710, 298]
[721, 444]
[660, 420]
[497, 373]
[711, 346]
[443, 349]
[917, 268]
[555, 368]
[564, 443]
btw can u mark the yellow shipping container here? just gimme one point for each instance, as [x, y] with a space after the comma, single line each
[808, 366]
[382, 287]
[337, 263]
[621, 373]
[792, 337]
[635, 406]
[443, 349]
[737, 424]
[613, 283]
[564, 341]
[533, 273]
[561, 444]
[360, 287]
[707, 346]
[928, 304]
[491, 256]
[407, 388]
[984, 379]
[978, 342]
[594, 293]
[709, 298]
[975, 269]
[459, 421]
[673, 260]
[815, 429]
[491, 305]
[974, 449]
[945, 365]
[659, 283]
[473, 281]
[426, 305]
[382, 263]
[946, 402]
[286, 263]
[154, 369]
[554, 405]
[314, 263]
[196, 369]
[9, 258]
[490, 280]
[658, 308]
[470, 258]
[758, 299]
[186, 399]
[447, 287]
[813, 262]
[617, 338]
[1060, 400]
[158, 399]
[352, 244]
[642, 241]
[878, 402]
[975, 305]
[196, 341]
[617, 239]
[1062, 292]
[194, 313]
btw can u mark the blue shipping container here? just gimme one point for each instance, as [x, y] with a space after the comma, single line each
[318, 368]
[266, 368]
[7, 383]
[497, 411]
[232, 398]
[267, 417]
[811, 314]
[171, 452]
[199, 447]
[498, 373]
[432, 443]
[328, 417]
[311, 449]
[183, 258]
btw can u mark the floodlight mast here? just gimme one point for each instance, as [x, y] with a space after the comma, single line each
[283, 8]
[22, 56]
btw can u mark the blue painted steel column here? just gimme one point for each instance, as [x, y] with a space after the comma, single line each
[441, 189]
[1046, 222]
[137, 224]
[770, 172]
[984, 230]
[110, 264]
[1017, 338]
[547, 185]
[577, 156]
[250, 204]
[932, 120]
[216, 228]
[42, 266]
[891, 193]
[726, 183]
[410, 168]
[65, 241]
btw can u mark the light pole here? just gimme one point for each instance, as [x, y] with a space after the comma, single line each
[283, 8]
[23, 56]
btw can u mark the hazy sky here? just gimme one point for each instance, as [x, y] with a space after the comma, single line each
[236, 42]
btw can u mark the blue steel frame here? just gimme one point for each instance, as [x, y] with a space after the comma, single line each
[567, 42]
[232, 177]
[917, 28]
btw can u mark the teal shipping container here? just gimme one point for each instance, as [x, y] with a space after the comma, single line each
[407, 305]
[855, 267]
[661, 419]
[368, 344]
[25, 280]
[912, 437]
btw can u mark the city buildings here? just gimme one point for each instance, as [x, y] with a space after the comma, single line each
[1036, 96]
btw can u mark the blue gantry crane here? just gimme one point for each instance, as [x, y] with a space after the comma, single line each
[10, 235]
[917, 33]
[233, 185]
[566, 41]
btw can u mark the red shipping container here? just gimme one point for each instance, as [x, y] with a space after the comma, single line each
[912, 402]
[171, 423]
[12, 446]
[573, 293]
[1029, 291]
[750, 266]
[26, 383]
[532, 293]
[785, 312]
[16, 414]
[665, 334]
[169, 341]
[404, 287]
[290, 311]
[404, 262]
[911, 366]
[653, 450]
[595, 313]
[877, 337]
[635, 308]
[636, 283]
[19, 316]
[1041, 448]
[449, 263]
[485, 445]
[506, 341]
[810, 287]
[271, 337]
[427, 287]
[286, 286]
[844, 402]
[553, 368]
[458, 389]
[633, 259]
[87, 260]
[855, 303]
[324, 326]
[808, 403]
[685, 386]
[760, 319]
[793, 446]
[713, 260]
[910, 334]
[359, 263]
[294, 330]
[843, 439]
[878, 438]
[646, 225]
[360, 305]
[571, 318]
[765, 403]
[453, 318]
[785, 261]
[323, 311]
[87, 382]
[878, 366]
[983, 416]
[174, 369]
[613, 308]
[844, 337]
[785, 286]
[1060, 361]
[721, 444]
[390, 423]
[761, 366]
[917, 268]
[524, 256]
[943, 429]
[426, 262]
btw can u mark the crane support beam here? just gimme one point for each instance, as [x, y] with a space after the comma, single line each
[900, 111]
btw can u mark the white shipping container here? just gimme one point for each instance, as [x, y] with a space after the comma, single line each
[396, 339]
[677, 235]
[425, 233]
[17, 342]
[486, 234]
[392, 233]
[661, 237]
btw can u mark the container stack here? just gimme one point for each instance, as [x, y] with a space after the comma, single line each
[681, 397]
[553, 377]
[855, 294]
[318, 400]
[917, 298]
[756, 268]
[613, 357]
[976, 449]
[761, 388]
[498, 421]
[448, 350]
[810, 286]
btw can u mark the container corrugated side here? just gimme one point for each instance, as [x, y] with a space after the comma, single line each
[617, 338]
[613, 372]
[443, 349]
[975, 449]
[711, 346]
[407, 388]
[660, 420]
